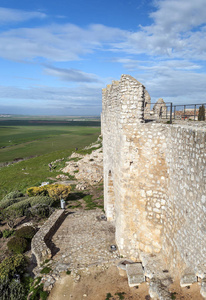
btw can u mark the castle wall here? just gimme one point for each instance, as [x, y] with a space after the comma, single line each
[154, 179]
[184, 234]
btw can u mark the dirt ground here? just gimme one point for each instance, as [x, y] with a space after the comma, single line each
[99, 285]
[191, 292]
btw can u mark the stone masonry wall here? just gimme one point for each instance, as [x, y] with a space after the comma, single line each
[154, 180]
[39, 244]
[184, 235]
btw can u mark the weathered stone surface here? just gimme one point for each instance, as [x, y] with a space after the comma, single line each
[160, 109]
[154, 179]
[39, 246]
[188, 278]
[121, 266]
[200, 271]
[203, 288]
[88, 169]
[135, 274]
[158, 291]
[83, 240]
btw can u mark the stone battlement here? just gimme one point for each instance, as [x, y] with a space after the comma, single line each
[154, 179]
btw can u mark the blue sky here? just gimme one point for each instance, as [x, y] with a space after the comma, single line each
[56, 56]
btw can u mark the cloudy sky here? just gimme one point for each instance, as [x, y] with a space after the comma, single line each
[56, 56]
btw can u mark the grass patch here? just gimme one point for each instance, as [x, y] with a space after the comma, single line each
[88, 151]
[74, 206]
[7, 233]
[46, 270]
[76, 196]
[108, 296]
[39, 293]
[46, 261]
[90, 204]
[49, 144]
[25, 141]
[120, 295]
[173, 295]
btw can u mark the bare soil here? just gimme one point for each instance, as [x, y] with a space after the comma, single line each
[97, 286]
[190, 292]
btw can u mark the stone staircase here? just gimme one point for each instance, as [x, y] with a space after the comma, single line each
[152, 270]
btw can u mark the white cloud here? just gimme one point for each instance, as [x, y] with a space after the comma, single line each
[56, 42]
[8, 15]
[71, 74]
[178, 86]
[83, 100]
[178, 31]
[82, 94]
[178, 16]
[173, 48]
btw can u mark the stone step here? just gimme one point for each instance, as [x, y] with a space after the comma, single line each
[189, 277]
[135, 274]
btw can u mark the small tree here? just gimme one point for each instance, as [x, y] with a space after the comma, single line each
[201, 114]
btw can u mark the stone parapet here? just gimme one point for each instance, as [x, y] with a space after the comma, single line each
[39, 244]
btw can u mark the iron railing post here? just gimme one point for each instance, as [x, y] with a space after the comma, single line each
[171, 113]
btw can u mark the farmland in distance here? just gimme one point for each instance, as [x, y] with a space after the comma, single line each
[37, 143]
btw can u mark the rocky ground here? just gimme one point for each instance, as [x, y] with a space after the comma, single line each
[83, 265]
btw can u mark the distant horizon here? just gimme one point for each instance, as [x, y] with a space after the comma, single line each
[50, 116]
[56, 56]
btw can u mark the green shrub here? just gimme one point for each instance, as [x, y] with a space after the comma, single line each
[7, 233]
[41, 200]
[45, 270]
[18, 209]
[41, 210]
[26, 232]
[21, 208]
[1, 234]
[55, 191]
[12, 265]
[7, 202]
[11, 290]
[121, 295]
[13, 195]
[17, 244]
[37, 191]
[108, 296]
[38, 293]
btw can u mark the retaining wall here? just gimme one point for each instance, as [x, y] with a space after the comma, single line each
[39, 244]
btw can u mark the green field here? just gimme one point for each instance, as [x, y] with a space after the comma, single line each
[47, 141]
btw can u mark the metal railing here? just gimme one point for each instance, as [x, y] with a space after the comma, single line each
[159, 111]
[168, 111]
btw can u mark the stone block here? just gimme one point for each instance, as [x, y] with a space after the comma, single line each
[188, 278]
[135, 274]
[203, 288]
[122, 267]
